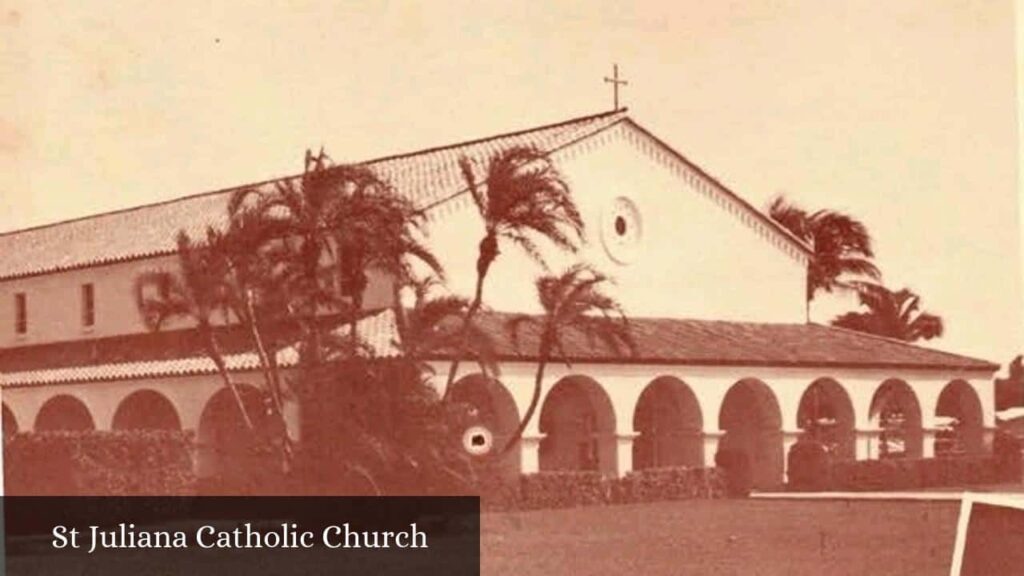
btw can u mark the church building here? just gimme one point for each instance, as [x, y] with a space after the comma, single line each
[714, 290]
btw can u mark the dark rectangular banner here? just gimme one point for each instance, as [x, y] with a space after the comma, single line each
[254, 536]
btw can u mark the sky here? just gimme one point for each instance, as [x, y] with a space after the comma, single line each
[903, 114]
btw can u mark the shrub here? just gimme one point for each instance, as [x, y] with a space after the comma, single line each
[912, 473]
[94, 463]
[1008, 451]
[809, 466]
[738, 474]
[675, 483]
[565, 489]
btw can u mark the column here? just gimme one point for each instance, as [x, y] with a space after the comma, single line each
[789, 437]
[866, 442]
[624, 452]
[711, 439]
[530, 454]
[928, 442]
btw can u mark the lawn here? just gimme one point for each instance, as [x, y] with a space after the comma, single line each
[748, 537]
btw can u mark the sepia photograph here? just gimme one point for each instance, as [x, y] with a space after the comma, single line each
[569, 287]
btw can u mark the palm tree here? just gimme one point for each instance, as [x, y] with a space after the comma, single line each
[197, 293]
[329, 228]
[572, 301]
[431, 328]
[891, 314]
[523, 198]
[841, 246]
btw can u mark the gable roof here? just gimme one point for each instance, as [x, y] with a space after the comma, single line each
[664, 341]
[430, 178]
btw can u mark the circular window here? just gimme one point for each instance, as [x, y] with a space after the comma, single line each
[622, 230]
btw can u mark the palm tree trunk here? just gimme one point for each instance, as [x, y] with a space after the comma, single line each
[466, 320]
[213, 351]
[538, 381]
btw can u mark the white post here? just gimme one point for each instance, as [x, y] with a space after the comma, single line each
[624, 447]
[711, 439]
[529, 461]
[866, 441]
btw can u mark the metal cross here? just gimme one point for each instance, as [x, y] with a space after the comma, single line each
[615, 82]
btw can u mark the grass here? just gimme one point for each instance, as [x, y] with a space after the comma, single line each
[748, 537]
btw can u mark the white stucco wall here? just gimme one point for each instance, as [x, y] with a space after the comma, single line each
[55, 302]
[696, 258]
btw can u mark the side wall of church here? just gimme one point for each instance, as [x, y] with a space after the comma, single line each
[55, 302]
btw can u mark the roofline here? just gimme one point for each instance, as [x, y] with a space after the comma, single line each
[532, 358]
[903, 343]
[730, 363]
[779, 228]
[296, 175]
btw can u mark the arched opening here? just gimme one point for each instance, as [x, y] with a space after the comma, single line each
[232, 457]
[146, 410]
[669, 426]
[752, 422]
[10, 423]
[961, 420]
[578, 422]
[897, 413]
[490, 406]
[825, 414]
[63, 413]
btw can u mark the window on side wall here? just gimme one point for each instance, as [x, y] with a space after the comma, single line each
[20, 313]
[88, 305]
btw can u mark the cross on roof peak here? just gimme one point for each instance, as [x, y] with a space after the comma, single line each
[615, 81]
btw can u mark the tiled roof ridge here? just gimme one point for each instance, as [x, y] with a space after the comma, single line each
[897, 342]
[268, 181]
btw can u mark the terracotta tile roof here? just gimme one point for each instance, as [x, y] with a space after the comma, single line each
[659, 341]
[172, 353]
[722, 343]
[428, 177]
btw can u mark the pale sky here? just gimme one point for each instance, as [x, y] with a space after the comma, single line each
[901, 113]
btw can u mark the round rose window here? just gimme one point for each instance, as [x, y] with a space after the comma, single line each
[622, 230]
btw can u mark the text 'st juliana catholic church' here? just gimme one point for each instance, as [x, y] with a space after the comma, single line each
[715, 291]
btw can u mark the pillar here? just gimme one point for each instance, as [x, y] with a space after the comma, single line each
[530, 454]
[711, 439]
[928, 442]
[789, 437]
[866, 443]
[624, 449]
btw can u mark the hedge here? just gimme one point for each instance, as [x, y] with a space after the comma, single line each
[100, 463]
[564, 489]
[911, 474]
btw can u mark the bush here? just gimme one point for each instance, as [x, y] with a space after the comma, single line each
[809, 466]
[94, 463]
[912, 474]
[676, 483]
[1008, 451]
[566, 489]
[738, 474]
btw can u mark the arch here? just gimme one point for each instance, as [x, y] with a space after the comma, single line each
[491, 406]
[752, 422]
[578, 423]
[146, 410]
[229, 455]
[959, 402]
[10, 425]
[826, 414]
[63, 412]
[669, 424]
[896, 411]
